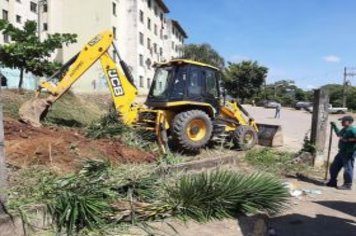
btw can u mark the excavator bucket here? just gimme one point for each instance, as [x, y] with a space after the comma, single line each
[32, 111]
[270, 135]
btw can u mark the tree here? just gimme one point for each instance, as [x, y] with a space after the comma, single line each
[203, 53]
[286, 92]
[245, 79]
[335, 93]
[27, 53]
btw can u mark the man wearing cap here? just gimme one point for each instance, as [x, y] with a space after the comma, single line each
[344, 158]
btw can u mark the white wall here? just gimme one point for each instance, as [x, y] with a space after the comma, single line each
[88, 18]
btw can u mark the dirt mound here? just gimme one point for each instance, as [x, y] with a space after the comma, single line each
[62, 149]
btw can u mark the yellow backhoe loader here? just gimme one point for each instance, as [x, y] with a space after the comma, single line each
[185, 104]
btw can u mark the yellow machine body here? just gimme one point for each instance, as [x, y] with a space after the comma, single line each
[157, 117]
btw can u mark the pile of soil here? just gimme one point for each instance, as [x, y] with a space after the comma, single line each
[62, 149]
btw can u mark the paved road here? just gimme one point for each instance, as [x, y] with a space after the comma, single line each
[295, 125]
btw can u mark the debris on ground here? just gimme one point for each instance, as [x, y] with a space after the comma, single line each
[63, 149]
[297, 192]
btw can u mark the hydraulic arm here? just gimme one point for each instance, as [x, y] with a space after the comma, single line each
[118, 78]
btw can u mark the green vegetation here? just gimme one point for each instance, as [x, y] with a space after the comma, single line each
[110, 126]
[70, 110]
[275, 162]
[27, 52]
[107, 126]
[101, 196]
[12, 101]
[245, 79]
[224, 194]
[74, 111]
[335, 92]
[285, 92]
[203, 53]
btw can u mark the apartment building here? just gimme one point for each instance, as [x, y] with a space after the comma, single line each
[174, 39]
[17, 12]
[143, 33]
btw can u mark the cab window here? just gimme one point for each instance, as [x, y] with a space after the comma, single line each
[195, 83]
[211, 83]
[178, 87]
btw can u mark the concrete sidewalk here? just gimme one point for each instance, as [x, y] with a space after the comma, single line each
[331, 213]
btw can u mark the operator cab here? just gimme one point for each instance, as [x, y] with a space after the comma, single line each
[185, 81]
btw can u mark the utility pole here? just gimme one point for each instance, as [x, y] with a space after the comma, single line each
[348, 72]
[3, 171]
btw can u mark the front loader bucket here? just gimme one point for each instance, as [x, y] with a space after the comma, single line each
[31, 112]
[270, 135]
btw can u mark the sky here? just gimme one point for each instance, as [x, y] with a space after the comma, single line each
[308, 41]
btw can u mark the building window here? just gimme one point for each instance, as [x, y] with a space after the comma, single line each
[114, 31]
[149, 4]
[33, 7]
[155, 29]
[45, 26]
[141, 81]
[149, 23]
[141, 38]
[160, 51]
[141, 17]
[5, 15]
[161, 34]
[148, 43]
[18, 1]
[114, 8]
[6, 38]
[45, 8]
[141, 59]
[155, 47]
[18, 19]
[148, 83]
[161, 16]
[173, 45]
[156, 10]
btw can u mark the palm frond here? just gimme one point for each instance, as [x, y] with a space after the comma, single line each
[222, 194]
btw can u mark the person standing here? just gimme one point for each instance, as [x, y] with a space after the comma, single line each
[278, 111]
[345, 157]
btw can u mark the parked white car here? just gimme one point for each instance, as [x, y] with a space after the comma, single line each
[337, 110]
[331, 109]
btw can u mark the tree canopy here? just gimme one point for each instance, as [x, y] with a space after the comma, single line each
[27, 53]
[203, 53]
[335, 93]
[287, 93]
[244, 80]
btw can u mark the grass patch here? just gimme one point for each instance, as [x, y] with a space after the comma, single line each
[70, 110]
[73, 111]
[275, 162]
[28, 185]
[12, 100]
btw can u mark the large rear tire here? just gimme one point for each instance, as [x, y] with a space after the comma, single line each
[191, 130]
[245, 138]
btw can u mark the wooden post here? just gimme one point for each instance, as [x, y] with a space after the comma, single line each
[3, 171]
[319, 124]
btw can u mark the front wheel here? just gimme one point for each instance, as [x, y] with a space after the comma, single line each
[192, 130]
[245, 137]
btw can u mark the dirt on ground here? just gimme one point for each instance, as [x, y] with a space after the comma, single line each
[62, 149]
